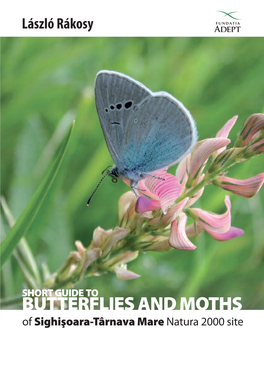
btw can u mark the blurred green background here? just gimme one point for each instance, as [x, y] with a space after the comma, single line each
[48, 82]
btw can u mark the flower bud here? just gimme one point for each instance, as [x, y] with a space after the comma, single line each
[115, 236]
[123, 274]
[253, 129]
[246, 188]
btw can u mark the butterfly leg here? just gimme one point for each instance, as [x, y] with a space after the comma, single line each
[133, 185]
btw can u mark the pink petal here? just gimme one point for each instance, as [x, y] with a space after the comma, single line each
[258, 147]
[172, 213]
[167, 189]
[80, 247]
[183, 167]
[126, 205]
[143, 189]
[246, 188]
[124, 274]
[203, 150]
[178, 238]
[232, 233]
[224, 132]
[219, 222]
[99, 235]
[145, 204]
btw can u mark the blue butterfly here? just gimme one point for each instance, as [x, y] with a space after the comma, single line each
[144, 131]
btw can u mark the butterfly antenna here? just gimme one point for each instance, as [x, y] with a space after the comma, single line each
[88, 202]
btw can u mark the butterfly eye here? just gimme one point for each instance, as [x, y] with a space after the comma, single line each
[128, 104]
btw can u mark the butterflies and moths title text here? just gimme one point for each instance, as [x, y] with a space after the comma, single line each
[89, 299]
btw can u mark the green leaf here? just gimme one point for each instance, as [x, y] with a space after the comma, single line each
[27, 216]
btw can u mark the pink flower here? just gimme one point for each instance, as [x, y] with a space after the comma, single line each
[246, 188]
[164, 189]
[165, 220]
[217, 225]
[252, 128]
[202, 151]
[209, 221]
[178, 238]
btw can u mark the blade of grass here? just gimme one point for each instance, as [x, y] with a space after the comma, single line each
[30, 211]
[7, 280]
[11, 301]
[24, 255]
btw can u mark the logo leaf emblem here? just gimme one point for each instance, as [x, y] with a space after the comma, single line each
[228, 14]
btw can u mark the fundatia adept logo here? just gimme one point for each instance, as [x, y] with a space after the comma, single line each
[232, 25]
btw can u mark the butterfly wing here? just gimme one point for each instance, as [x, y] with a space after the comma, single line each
[159, 133]
[116, 97]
